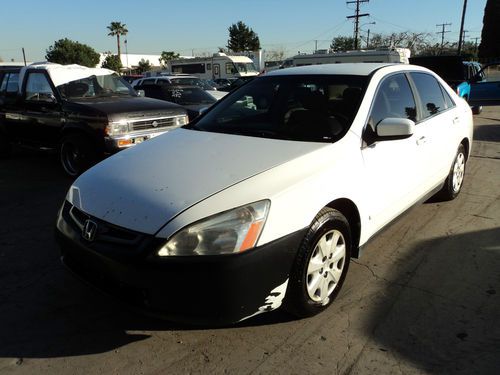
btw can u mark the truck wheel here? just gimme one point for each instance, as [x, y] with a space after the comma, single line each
[477, 109]
[455, 179]
[321, 264]
[77, 154]
[5, 146]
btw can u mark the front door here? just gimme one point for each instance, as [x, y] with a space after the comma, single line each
[486, 88]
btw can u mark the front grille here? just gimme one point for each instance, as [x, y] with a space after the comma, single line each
[106, 232]
[157, 123]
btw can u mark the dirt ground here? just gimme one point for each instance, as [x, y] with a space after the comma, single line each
[424, 297]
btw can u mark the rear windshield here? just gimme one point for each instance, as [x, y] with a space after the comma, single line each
[303, 108]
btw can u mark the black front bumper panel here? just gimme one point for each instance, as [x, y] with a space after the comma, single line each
[198, 289]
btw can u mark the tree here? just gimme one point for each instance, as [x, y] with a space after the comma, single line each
[417, 43]
[112, 62]
[242, 38]
[65, 51]
[117, 29]
[143, 66]
[490, 47]
[342, 43]
[276, 55]
[166, 56]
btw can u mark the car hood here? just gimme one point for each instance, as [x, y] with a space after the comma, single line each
[147, 185]
[117, 106]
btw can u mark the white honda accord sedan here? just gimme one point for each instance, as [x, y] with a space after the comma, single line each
[262, 201]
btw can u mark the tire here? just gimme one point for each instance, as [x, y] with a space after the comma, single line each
[477, 109]
[319, 271]
[454, 181]
[77, 153]
[5, 146]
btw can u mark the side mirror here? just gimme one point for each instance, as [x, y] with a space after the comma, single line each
[141, 93]
[395, 128]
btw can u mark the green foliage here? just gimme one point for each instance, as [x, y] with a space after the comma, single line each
[112, 62]
[65, 51]
[490, 46]
[166, 56]
[143, 66]
[117, 29]
[242, 38]
[342, 43]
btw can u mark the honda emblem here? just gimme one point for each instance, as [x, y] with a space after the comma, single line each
[89, 230]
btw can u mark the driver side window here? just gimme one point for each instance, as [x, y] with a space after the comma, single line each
[394, 99]
[38, 88]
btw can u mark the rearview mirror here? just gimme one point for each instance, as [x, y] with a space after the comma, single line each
[395, 128]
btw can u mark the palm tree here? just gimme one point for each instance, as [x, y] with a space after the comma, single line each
[117, 28]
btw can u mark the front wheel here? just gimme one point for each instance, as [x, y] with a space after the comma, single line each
[321, 264]
[455, 179]
[77, 154]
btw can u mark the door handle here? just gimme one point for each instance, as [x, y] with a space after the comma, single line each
[421, 140]
[456, 120]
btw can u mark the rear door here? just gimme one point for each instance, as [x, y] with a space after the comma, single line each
[486, 88]
[435, 129]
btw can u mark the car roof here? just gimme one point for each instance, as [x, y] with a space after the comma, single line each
[361, 69]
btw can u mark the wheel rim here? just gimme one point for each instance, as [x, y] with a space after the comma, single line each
[71, 157]
[458, 172]
[325, 266]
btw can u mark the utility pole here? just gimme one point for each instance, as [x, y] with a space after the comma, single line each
[368, 39]
[460, 40]
[475, 44]
[24, 57]
[442, 32]
[356, 17]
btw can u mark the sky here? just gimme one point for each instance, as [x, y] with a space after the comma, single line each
[201, 26]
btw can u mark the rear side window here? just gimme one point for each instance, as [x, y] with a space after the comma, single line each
[430, 93]
[394, 99]
[9, 83]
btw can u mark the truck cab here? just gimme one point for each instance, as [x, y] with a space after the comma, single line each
[84, 113]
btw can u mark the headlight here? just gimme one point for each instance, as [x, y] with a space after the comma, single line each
[181, 120]
[117, 128]
[229, 232]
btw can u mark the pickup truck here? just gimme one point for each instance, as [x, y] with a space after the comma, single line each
[457, 72]
[84, 113]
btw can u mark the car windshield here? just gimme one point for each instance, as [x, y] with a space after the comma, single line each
[245, 67]
[315, 108]
[188, 96]
[96, 86]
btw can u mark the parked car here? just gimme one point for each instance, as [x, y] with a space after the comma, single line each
[224, 82]
[131, 77]
[262, 201]
[192, 98]
[179, 80]
[485, 86]
[84, 113]
[237, 83]
[457, 72]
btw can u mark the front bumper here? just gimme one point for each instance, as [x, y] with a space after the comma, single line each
[117, 143]
[199, 289]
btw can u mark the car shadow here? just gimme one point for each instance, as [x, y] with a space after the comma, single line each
[445, 318]
[488, 133]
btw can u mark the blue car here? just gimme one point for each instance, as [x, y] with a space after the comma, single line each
[485, 86]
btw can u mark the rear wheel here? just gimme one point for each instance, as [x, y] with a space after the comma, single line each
[455, 179]
[477, 109]
[77, 154]
[321, 265]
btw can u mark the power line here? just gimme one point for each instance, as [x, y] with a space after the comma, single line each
[442, 32]
[356, 17]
